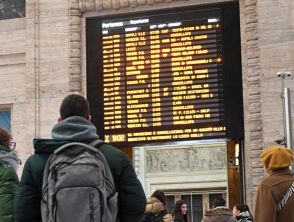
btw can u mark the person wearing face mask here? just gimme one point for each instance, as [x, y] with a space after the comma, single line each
[8, 178]
[180, 212]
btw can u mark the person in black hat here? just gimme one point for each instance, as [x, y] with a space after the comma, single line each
[156, 208]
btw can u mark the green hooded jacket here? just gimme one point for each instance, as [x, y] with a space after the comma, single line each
[8, 183]
[131, 197]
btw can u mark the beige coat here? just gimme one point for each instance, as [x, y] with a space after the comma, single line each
[157, 208]
[219, 214]
[270, 191]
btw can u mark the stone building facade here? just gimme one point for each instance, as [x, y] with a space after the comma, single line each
[43, 57]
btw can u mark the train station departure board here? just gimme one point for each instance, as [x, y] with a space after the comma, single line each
[161, 77]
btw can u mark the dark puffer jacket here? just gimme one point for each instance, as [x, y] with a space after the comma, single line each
[8, 183]
[131, 196]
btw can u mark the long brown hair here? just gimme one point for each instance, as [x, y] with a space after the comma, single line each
[178, 210]
[5, 138]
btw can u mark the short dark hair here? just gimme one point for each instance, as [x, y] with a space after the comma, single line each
[242, 207]
[74, 105]
[5, 138]
[219, 202]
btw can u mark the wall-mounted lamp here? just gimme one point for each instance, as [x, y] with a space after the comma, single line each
[237, 149]
[234, 160]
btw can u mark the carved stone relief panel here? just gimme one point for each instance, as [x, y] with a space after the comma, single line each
[175, 159]
[10, 9]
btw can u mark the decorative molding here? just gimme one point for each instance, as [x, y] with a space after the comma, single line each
[136, 160]
[190, 166]
[75, 76]
[196, 158]
[253, 75]
[187, 159]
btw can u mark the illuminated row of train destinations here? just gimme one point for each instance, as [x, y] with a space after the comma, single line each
[163, 83]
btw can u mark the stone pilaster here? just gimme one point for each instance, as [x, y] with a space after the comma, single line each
[252, 101]
[75, 77]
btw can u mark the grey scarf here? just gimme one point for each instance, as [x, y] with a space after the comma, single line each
[9, 159]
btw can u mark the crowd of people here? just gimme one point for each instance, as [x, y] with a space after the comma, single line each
[20, 200]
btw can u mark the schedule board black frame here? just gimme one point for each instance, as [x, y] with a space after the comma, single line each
[231, 68]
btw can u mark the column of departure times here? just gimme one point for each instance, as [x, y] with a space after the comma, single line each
[192, 54]
[113, 84]
[154, 39]
[136, 80]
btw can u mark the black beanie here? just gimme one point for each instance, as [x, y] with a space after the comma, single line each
[160, 196]
[219, 202]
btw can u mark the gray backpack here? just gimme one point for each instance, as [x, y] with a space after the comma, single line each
[78, 186]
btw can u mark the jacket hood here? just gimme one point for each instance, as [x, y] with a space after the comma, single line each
[74, 129]
[47, 145]
[9, 158]
[218, 211]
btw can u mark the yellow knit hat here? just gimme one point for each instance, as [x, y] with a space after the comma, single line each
[275, 157]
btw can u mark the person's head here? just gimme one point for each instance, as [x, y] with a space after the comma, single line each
[181, 209]
[219, 202]
[5, 138]
[276, 157]
[74, 105]
[160, 196]
[239, 208]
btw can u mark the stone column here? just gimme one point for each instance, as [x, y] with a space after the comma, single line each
[252, 98]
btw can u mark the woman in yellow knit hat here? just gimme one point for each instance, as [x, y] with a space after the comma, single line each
[275, 196]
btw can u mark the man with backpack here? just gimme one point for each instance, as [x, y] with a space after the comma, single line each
[84, 179]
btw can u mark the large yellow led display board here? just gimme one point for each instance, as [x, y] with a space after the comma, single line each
[160, 76]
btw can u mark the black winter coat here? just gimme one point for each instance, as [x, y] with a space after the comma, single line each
[131, 197]
[150, 217]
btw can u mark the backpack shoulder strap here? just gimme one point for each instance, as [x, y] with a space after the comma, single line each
[287, 196]
[71, 144]
[97, 143]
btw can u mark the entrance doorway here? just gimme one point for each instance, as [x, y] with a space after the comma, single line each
[196, 172]
[197, 201]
